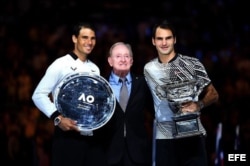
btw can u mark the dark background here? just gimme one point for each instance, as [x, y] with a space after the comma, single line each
[35, 33]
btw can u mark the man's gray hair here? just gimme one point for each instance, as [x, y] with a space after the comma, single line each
[121, 43]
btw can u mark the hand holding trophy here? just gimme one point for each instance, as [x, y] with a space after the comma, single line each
[178, 93]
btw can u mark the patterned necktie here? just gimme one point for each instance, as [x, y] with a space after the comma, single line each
[123, 94]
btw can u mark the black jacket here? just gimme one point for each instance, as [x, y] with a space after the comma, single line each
[138, 118]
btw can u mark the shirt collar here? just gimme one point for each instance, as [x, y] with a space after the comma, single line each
[176, 55]
[115, 78]
[74, 56]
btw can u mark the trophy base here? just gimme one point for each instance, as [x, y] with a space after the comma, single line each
[186, 125]
[85, 132]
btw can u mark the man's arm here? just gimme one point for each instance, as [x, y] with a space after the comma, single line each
[209, 96]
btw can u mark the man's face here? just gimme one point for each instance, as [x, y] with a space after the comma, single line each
[164, 41]
[120, 59]
[85, 41]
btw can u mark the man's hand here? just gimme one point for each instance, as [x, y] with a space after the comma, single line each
[190, 107]
[68, 124]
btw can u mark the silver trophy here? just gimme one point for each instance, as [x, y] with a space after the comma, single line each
[87, 99]
[186, 124]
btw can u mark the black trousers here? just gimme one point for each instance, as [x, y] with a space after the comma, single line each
[189, 151]
[71, 148]
[126, 159]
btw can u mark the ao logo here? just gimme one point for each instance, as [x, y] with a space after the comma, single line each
[89, 98]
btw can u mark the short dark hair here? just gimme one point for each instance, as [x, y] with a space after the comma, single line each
[164, 24]
[77, 27]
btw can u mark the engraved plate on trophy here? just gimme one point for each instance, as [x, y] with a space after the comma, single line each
[87, 99]
[186, 124]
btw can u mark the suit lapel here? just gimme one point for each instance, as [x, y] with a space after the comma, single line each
[135, 82]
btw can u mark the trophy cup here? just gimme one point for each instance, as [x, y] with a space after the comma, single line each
[186, 124]
[87, 99]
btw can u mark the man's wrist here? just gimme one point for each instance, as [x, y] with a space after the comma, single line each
[55, 114]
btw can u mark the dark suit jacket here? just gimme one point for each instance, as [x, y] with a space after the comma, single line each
[138, 119]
